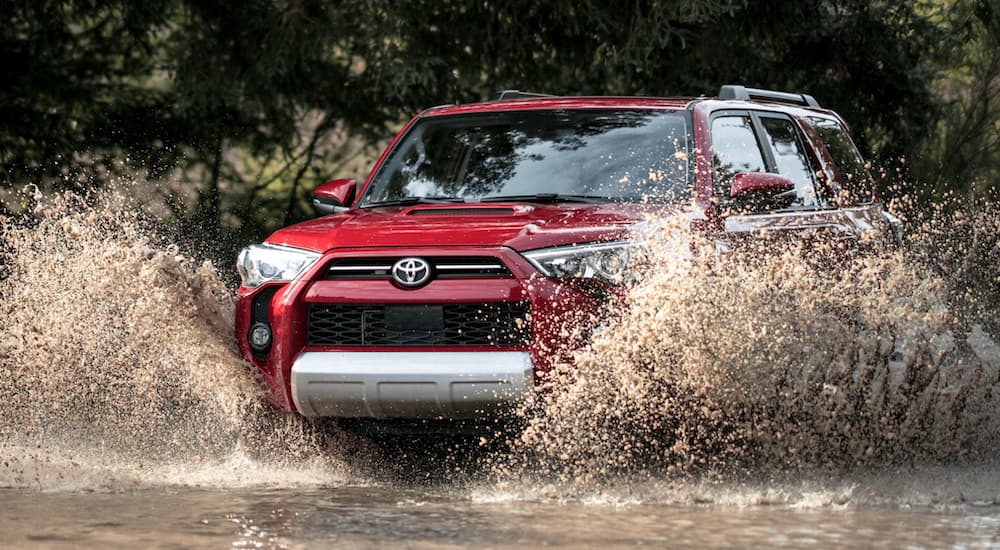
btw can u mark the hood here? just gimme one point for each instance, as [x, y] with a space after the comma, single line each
[518, 226]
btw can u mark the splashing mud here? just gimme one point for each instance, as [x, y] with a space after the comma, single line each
[117, 363]
[117, 370]
[770, 360]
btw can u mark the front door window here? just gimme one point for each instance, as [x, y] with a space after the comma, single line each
[751, 141]
[734, 150]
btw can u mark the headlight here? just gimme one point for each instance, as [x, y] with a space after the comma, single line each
[608, 262]
[262, 263]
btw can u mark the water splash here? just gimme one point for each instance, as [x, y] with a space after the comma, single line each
[779, 358]
[723, 374]
[118, 365]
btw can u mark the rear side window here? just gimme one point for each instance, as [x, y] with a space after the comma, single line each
[856, 180]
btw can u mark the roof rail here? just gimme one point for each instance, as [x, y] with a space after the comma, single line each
[508, 95]
[746, 94]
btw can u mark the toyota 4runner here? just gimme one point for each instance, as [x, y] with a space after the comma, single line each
[440, 286]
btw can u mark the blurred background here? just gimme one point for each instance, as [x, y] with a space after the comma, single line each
[233, 111]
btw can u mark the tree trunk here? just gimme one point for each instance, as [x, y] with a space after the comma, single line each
[211, 218]
[293, 194]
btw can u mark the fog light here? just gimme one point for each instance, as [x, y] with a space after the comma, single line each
[260, 337]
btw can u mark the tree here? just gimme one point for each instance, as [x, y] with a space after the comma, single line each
[961, 150]
[241, 107]
[72, 74]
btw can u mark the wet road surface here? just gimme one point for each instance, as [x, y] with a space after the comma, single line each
[416, 517]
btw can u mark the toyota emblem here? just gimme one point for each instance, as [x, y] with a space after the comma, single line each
[411, 272]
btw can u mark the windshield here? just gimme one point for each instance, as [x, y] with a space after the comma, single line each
[638, 155]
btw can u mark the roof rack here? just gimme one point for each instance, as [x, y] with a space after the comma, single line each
[509, 95]
[746, 94]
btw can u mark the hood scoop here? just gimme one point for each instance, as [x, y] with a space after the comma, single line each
[462, 211]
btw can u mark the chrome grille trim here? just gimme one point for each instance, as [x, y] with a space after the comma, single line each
[443, 267]
[360, 268]
[466, 267]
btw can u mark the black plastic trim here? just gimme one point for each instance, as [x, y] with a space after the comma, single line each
[260, 312]
[734, 91]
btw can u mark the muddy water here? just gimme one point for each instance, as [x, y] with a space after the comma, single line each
[455, 516]
[793, 398]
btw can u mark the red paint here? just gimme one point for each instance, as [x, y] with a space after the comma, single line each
[340, 191]
[525, 227]
[748, 182]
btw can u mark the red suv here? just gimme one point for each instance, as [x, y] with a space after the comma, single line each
[441, 286]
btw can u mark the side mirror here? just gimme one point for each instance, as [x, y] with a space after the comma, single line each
[757, 191]
[334, 196]
[745, 183]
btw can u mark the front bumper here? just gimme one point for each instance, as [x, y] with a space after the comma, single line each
[557, 307]
[403, 384]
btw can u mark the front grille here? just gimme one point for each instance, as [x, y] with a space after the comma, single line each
[486, 324]
[443, 267]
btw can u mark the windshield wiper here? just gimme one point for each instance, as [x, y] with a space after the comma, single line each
[407, 201]
[547, 197]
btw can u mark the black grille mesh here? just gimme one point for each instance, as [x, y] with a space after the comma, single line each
[484, 324]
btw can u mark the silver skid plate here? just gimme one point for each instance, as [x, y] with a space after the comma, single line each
[449, 385]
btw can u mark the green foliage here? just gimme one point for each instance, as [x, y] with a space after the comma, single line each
[961, 150]
[241, 107]
[72, 77]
